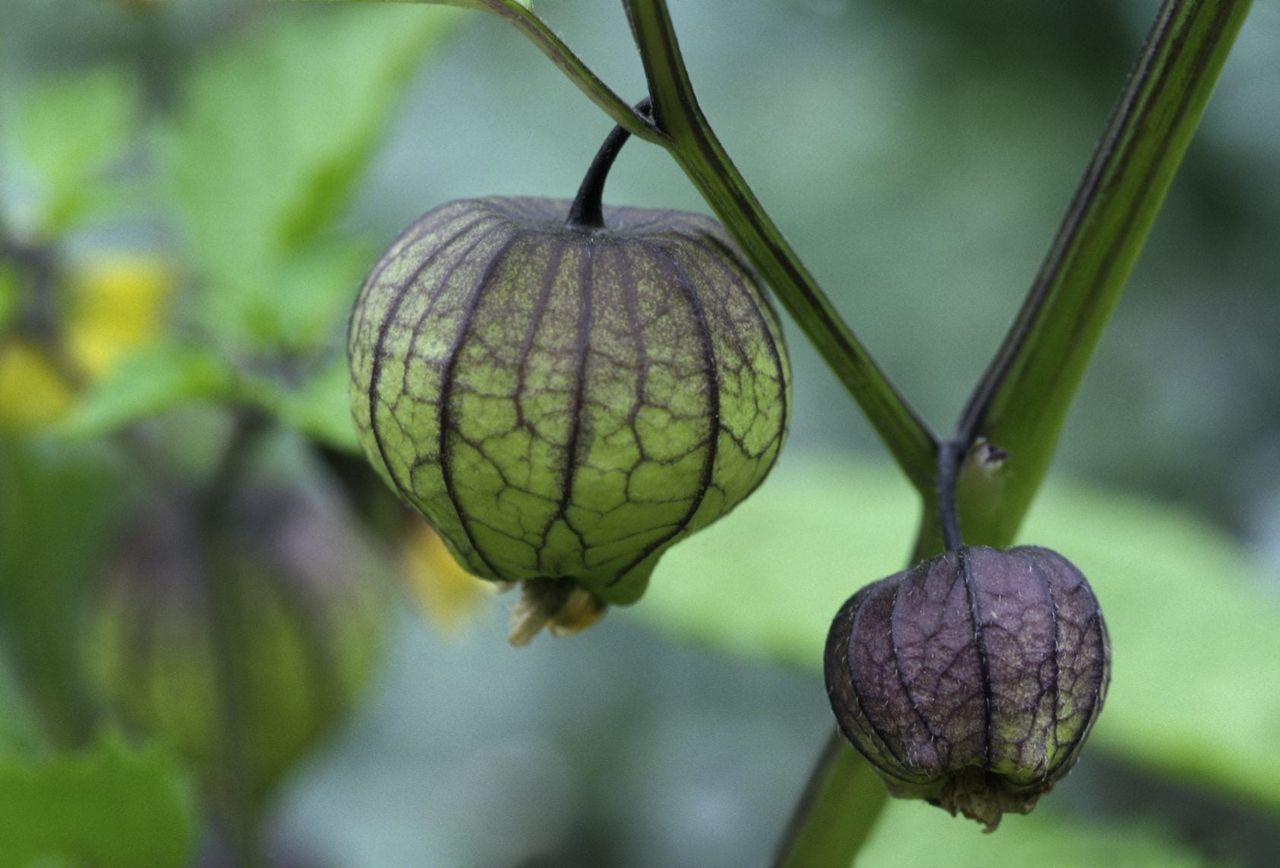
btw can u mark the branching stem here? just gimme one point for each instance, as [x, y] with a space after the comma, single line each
[697, 150]
[1019, 405]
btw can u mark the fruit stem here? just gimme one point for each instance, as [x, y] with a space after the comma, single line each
[587, 211]
[950, 456]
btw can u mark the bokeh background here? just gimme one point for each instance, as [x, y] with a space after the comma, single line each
[190, 191]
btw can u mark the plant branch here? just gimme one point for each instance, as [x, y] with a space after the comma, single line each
[699, 153]
[680, 127]
[1018, 408]
[1021, 402]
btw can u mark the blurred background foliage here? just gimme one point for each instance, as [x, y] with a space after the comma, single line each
[202, 651]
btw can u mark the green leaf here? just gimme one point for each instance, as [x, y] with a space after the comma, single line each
[110, 806]
[319, 408]
[1193, 634]
[165, 376]
[8, 294]
[913, 833]
[59, 510]
[19, 726]
[311, 293]
[148, 382]
[69, 130]
[272, 135]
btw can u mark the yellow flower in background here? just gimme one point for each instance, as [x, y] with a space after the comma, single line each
[33, 395]
[114, 304]
[117, 304]
[449, 595]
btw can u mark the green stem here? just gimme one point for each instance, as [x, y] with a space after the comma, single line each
[680, 127]
[844, 796]
[699, 153]
[950, 454]
[1021, 402]
[837, 811]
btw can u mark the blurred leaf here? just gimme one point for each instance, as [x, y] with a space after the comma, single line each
[319, 408]
[69, 130]
[150, 381]
[166, 376]
[8, 293]
[913, 833]
[271, 138]
[1194, 638]
[19, 728]
[1196, 641]
[310, 294]
[110, 806]
[59, 508]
